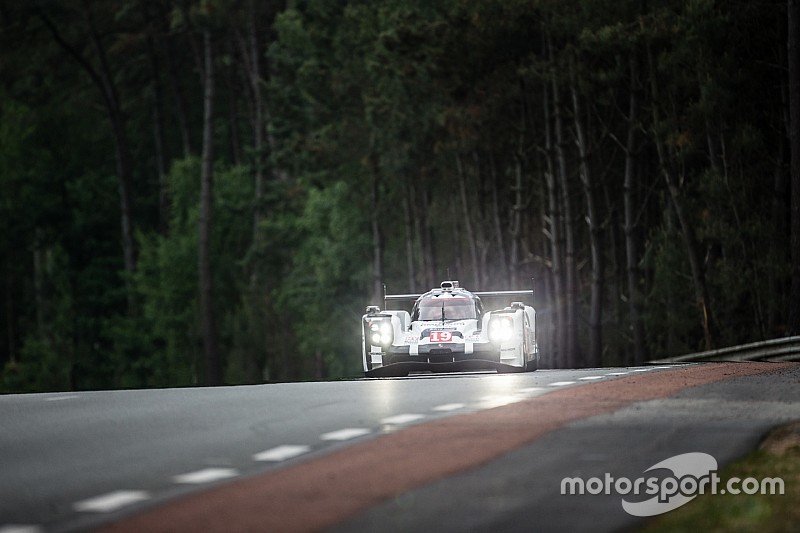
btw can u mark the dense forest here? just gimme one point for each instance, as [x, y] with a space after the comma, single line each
[197, 192]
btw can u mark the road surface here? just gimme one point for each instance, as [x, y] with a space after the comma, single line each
[458, 452]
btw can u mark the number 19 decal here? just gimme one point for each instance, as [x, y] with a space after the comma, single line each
[441, 336]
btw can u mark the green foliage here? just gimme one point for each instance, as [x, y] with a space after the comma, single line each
[166, 279]
[325, 289]
[47, 358]
[426, 99]
[670, 301]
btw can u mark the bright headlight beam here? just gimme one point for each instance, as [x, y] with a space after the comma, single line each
[501, 329]
[381, 333]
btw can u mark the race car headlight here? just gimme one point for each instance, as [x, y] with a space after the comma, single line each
[381, 333]
[501, 328]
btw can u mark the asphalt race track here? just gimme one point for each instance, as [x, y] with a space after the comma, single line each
[455, 452]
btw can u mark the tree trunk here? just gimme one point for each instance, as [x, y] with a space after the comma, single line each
[158, 137]
[571, 348]
[497, 228]
[515, 224]
[477, 218]
[687, 229]
[467, 220]
[249, 51]
[545, 297]
[377, 235]
[780, 186]
[178, 97]
[11, 314]
[234, 141]
[595, 231]
[124, 167]
[104, 81]
[778, 317]
[258, 121]
[631, 243]
[409, 237]
[690, 241]
[558, 321]
[207, 312]
[423, 233]
[794, 144]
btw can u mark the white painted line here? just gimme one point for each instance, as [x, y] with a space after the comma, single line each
[501, 398]
[112, 501]
[642, 369]
[55, 399]
[528, 390]
[617, 373]
[561, 383]
[449, 407]
[590, 378]
[282, 453]
[206, 475]
[402, 419]
[345, 434]
[498, 400]
[20, 528]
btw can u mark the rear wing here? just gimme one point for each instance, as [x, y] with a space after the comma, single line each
[529, 293]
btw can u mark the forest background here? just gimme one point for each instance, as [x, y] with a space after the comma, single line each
[198, 192]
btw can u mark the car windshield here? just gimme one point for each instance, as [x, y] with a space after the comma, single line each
[446, 309]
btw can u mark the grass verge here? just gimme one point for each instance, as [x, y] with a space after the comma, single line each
[778, 456]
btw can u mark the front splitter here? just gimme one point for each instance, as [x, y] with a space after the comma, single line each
[404, 367]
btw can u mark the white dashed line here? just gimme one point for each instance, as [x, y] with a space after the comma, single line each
[282, 453]
[642, 369]
[528, 390]
[402, 419]
[561, 383]
[20, 528]
[449, 407]
[55, 399]
[498, 400]
[206, 475]
[617, 373]
[590, 378]
[345, 434]
[112, 501]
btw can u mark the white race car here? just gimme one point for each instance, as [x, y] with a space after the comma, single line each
[449, 330]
